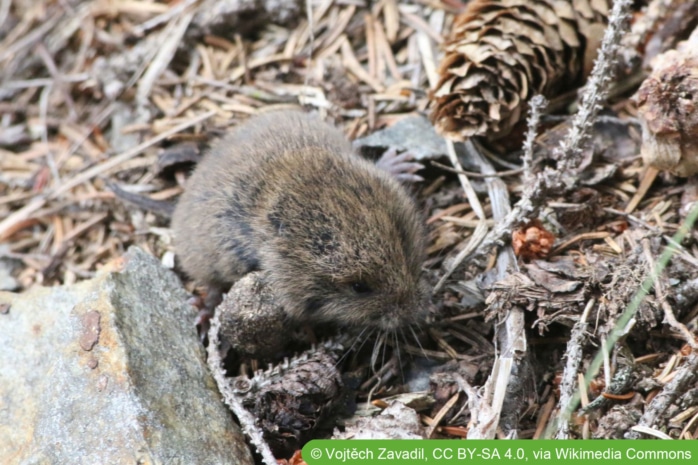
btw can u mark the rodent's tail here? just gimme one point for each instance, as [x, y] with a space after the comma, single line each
[163, 208]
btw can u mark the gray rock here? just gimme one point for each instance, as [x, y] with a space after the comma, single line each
[414, 133]
[7, 282]
[8, 266]
[110, 371]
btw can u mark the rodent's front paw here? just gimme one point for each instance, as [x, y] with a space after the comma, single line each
[400, 165]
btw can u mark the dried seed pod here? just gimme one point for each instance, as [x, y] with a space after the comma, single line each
[668, 111]
[503, 52]
[532, 241]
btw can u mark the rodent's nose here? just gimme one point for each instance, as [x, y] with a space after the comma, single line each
[396, 317]
[390, 324]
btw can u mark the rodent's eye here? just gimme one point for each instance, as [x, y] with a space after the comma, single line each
[360, 287]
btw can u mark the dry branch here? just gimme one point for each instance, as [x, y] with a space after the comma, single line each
[685, 378]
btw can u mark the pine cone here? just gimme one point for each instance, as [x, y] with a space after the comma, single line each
[295, 399]
[503, 52]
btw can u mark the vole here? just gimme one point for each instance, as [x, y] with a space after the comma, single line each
[339, 237]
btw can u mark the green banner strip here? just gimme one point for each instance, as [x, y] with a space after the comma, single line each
[472, 452]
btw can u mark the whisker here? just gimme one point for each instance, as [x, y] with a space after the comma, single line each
[418, 343]
[358, 338]
[376, 352]
[399, 359]
[403, 337]
[368, 338]
[384, 343]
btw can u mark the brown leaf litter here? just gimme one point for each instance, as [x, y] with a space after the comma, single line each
[97, 92]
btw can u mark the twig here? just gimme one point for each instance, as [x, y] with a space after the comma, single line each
[247, 421]
[43, 117]
[651, 432]
[441, 414]
[645, 184]
[354, 66]
[634, 219]
[29, 39]
[4, 10]
[39, 201]
[57, 78]
[117, 160]
[685, 378]
[472, 174]
[658, 19]
[661, 297]
[311, 40]
[573, 354]
[425, 51]
[171, 38]
[536, 106]
[162, 17]
[474, 244]
[7, 226]
[419, 24]
[596, 89]
[617, 386]
[497, 406]
[41, 82]
[480, 231]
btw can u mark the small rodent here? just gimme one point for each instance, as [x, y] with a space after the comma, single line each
[341, 240]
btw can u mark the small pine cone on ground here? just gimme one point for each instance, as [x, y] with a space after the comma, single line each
[503, 52]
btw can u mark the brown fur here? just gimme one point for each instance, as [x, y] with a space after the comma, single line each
[340, 239]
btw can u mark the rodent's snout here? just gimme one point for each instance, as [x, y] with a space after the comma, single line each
[410, 311]
[402, 317]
